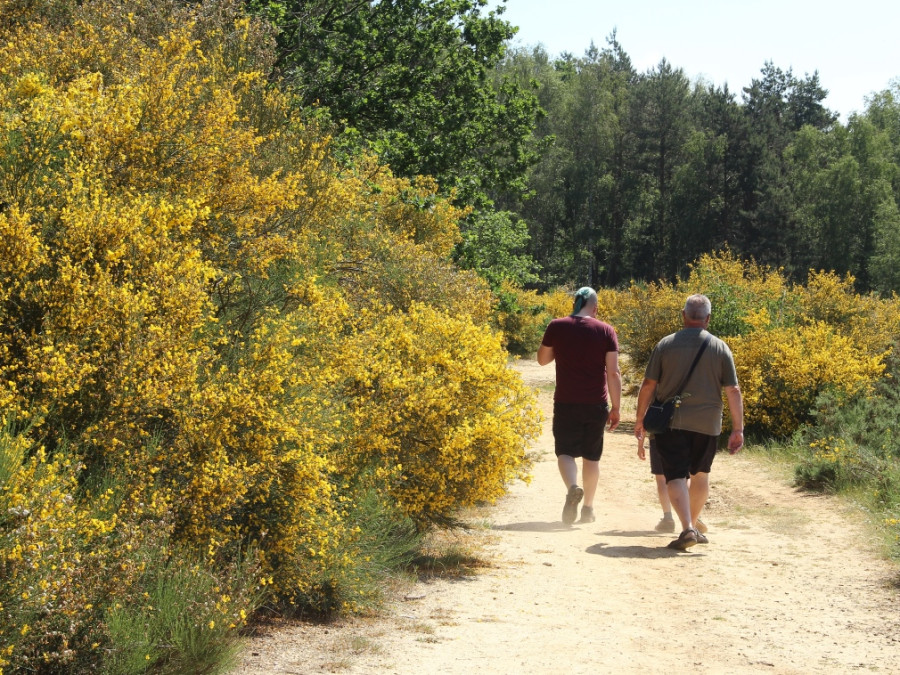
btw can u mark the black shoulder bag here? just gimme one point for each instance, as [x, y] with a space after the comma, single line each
[659, 413]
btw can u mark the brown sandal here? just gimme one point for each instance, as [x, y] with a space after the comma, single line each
[685, 540]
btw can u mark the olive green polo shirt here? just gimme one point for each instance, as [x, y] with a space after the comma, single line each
[701, 406]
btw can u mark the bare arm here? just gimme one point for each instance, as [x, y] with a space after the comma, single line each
[645, 395]
[545, 355]
[736, 406]
[614, 387]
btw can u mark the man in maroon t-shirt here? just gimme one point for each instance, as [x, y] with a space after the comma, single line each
[586, 352]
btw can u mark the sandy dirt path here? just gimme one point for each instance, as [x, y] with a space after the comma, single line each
[787, 584]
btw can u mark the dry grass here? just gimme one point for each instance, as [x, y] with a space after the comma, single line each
[455, 553]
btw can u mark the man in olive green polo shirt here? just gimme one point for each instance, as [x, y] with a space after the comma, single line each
[688, 447]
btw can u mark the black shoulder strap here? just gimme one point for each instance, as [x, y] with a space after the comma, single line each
[693, 365]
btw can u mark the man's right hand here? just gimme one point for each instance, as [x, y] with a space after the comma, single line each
[735, 441]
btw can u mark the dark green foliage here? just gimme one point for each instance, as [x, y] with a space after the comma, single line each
[413, 81]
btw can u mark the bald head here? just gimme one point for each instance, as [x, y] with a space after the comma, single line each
[585, 301]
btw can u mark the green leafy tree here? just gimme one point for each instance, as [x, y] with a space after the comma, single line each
[705, 185]
[883, 114]
[544, 207]
[495, 245]
[843, 180]
[412, 80]
[579, 191]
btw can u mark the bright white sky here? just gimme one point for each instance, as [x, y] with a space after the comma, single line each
[855, 45]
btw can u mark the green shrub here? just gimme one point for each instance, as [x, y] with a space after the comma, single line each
[187, 620]
[853, 445]
[521, 316]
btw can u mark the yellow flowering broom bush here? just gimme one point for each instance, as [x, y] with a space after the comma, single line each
[873, 323]
[133, 314]
[783, 370]
[89, 577]
[195, 301]
[452, 423]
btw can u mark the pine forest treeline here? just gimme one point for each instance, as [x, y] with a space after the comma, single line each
[646, 171]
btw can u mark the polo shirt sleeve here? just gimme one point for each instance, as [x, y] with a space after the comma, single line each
[729, 372]
[654, 366]
[549, 334]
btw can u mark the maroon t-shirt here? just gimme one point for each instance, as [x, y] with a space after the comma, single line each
[580, 345]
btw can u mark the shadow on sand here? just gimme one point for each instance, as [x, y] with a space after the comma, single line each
[534, 527]
[646, 552]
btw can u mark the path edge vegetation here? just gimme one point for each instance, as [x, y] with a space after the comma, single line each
[241, 373]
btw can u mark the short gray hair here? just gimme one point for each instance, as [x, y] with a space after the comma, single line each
[697, 307]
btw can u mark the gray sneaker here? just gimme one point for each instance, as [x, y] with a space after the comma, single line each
[665, 525]
[587, 515]
[570, 510]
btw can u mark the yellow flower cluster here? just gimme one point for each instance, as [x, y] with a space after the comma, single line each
[832, 450]
[782, 370]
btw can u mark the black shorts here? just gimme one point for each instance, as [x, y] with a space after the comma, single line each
[578, 429]
[684, 453]
[655, 460]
